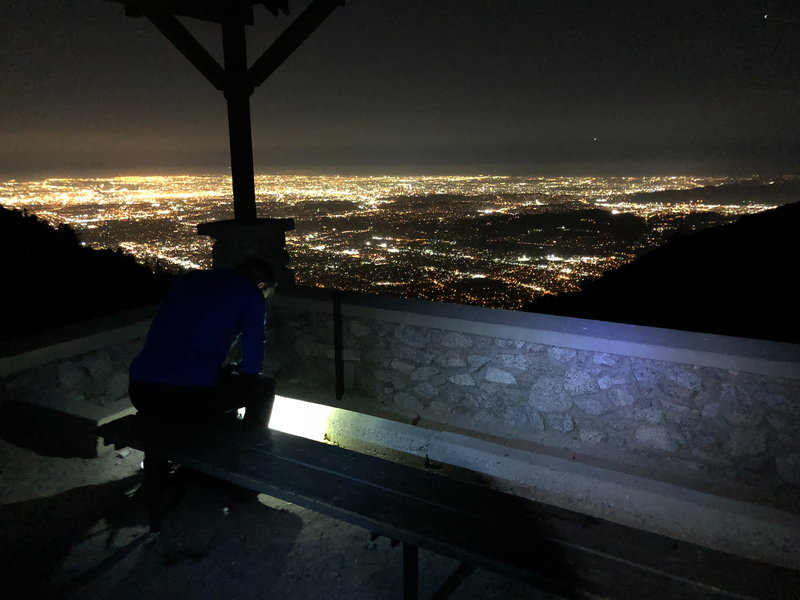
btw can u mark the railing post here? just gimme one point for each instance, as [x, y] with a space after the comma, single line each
[338, 345]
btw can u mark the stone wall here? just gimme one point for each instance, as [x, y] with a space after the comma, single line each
[97, 377]
[57, 387]
[697, 408]
[703, 411]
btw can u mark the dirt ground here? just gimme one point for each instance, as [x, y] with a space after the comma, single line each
[76, 529]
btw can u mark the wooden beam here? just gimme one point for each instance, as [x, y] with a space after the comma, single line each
[234, 78]
[294, 35]
[187, 45]
[237, 95]
[205, 10]
[276, 6]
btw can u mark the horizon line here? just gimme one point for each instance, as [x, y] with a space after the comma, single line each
[45, 175]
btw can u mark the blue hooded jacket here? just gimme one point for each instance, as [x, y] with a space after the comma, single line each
[196, 325]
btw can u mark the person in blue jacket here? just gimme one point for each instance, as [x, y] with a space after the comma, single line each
[181, 372]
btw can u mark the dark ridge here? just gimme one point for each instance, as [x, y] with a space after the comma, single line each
[772, 191]
[737, 279]
[51, 279]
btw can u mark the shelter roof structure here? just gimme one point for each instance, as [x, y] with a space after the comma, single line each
[206, 10]
[235, 77]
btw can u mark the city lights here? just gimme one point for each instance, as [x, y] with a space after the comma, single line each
[490, 240]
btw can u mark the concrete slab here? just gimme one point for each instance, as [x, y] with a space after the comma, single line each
[53, 428]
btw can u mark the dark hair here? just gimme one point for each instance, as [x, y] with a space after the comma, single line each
[257, 271]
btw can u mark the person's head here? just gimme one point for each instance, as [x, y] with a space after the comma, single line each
[259, 272]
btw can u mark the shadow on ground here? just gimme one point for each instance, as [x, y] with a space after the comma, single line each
[93, 542]
[38, 534]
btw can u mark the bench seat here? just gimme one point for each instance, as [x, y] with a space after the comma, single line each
[569, 553]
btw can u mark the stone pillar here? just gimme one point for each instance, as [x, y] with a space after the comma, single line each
[258, 238]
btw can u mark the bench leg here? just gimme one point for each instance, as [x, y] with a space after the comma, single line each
[410, 572]
[156, 471]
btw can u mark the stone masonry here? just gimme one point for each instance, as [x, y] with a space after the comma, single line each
[99, 377]
[692, 422]
[687, 420]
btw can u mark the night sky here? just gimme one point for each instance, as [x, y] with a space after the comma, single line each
[415, 86]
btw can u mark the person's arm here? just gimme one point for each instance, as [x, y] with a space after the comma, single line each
[253, 338]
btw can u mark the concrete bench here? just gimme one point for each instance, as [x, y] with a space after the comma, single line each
[571, 554]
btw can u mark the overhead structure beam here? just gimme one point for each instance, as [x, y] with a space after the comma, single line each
[206, 10]
[234, 78]
[294, 35]
[187, 45]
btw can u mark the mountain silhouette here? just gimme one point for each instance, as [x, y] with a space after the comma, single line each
[737, 279]
[772, 191]
[51, 279]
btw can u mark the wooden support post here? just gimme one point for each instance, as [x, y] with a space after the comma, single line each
[237, 94]
[410, 571]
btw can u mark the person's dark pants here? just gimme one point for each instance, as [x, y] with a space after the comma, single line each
[185, 403]
[169, 406]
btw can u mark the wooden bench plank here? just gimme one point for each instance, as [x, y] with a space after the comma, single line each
[556, 549]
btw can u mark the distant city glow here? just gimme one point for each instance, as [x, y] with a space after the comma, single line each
[489, 240]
